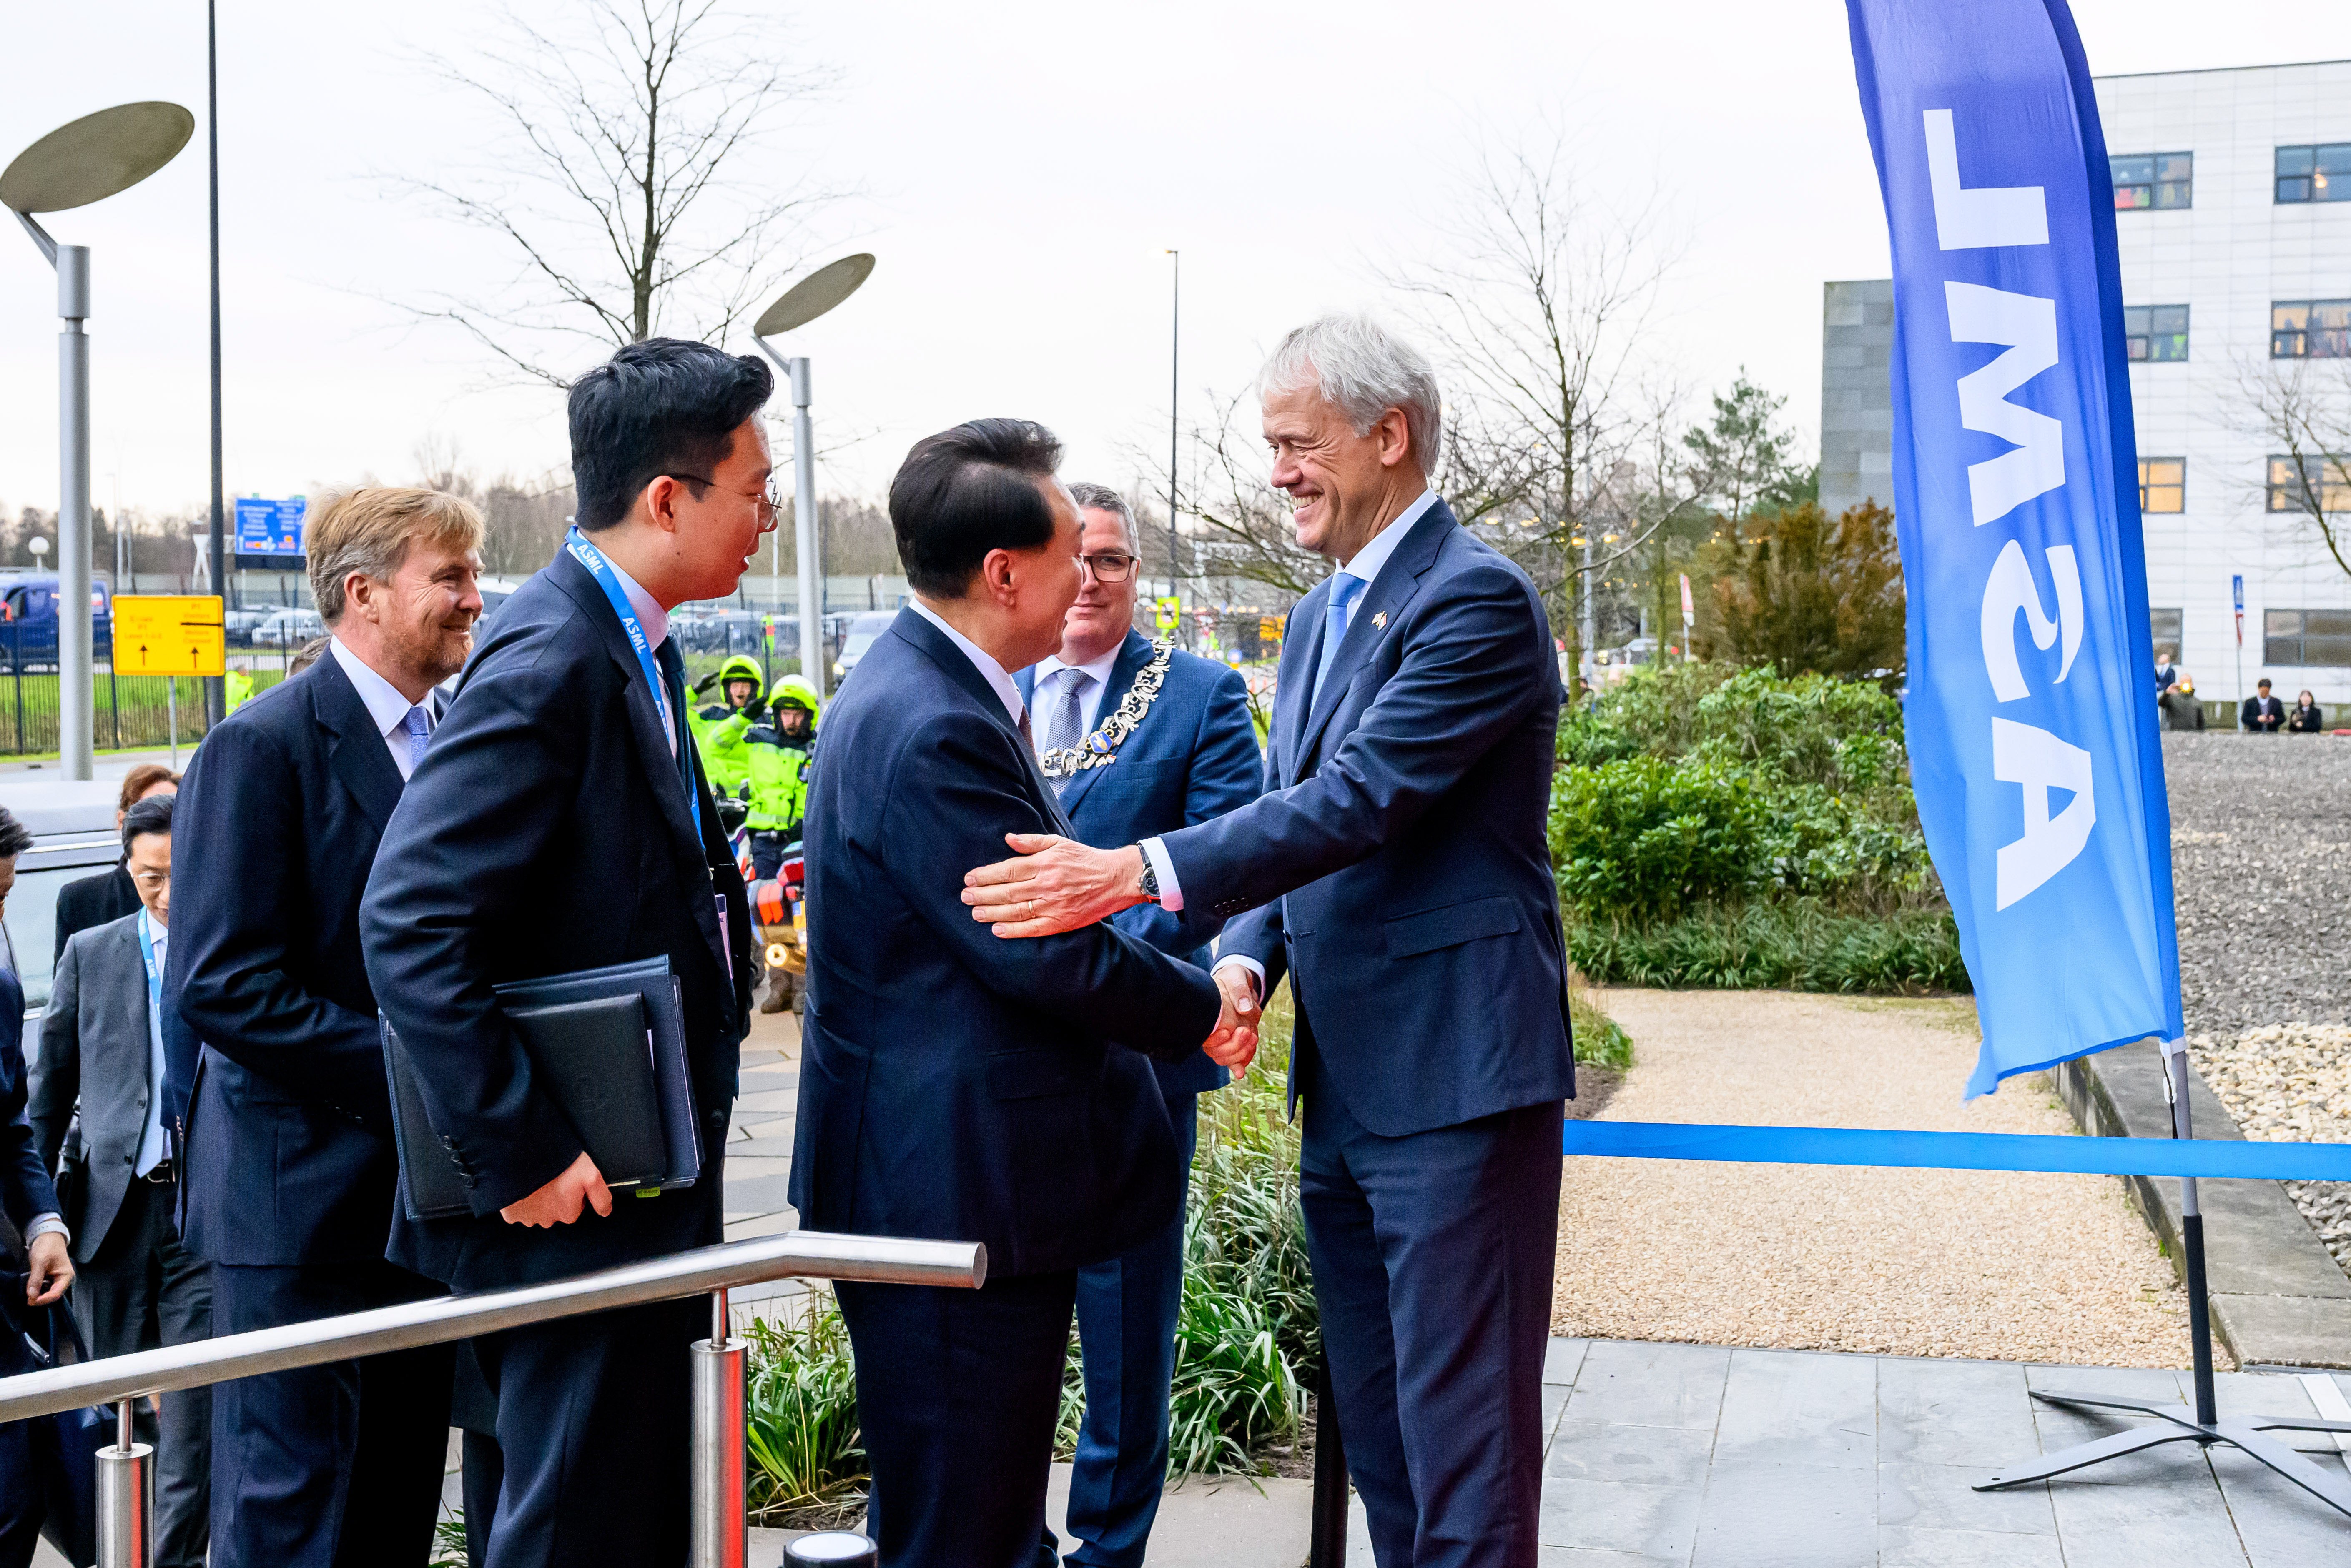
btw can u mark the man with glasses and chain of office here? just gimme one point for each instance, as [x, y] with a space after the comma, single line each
[1137, 739]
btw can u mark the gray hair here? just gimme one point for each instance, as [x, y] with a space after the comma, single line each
[1092, 497]
[1361, 369]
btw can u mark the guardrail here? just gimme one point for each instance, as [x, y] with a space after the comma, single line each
[125, 1477]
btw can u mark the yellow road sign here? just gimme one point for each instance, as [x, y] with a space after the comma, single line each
[169, 634]
[1269, 629]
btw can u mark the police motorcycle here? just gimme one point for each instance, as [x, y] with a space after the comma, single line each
[778, 912]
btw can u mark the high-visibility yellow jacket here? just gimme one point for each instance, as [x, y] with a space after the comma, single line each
[719, 729]
[780, 765]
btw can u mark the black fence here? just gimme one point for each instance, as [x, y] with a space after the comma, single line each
[129, 712]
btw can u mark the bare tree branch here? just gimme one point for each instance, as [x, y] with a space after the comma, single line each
[2301, 408]
[630, 176]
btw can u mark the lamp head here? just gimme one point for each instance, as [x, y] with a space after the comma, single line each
[92, 158]
[814, 294]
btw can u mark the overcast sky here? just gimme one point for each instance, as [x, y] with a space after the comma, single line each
[1023, 168]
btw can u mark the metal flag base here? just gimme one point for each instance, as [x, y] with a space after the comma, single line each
[2176, 1423]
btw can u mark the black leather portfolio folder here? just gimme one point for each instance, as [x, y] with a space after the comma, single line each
[608, 1047]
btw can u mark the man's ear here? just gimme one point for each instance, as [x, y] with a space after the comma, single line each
[1395, 438]
[661, 501]
[997, 570]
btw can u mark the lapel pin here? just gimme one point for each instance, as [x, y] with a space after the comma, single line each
[1380, 619]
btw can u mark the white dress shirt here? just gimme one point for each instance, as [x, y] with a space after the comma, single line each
[655, 620]
[153, 1146]
[1090, 705]
[387, 706]
[1364, 563]
[989, 671]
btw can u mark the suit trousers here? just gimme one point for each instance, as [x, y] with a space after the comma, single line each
[1433, 1257]
[327, 1467]
[1126, 1328]
[595, 1423]
[958, 1392]
[139, 1291]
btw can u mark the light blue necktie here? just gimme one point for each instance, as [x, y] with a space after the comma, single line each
[1065, 717]
[419, 725]
[1344, 591]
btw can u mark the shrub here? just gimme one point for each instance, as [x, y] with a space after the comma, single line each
[1642, 839]
[1791, 945]
[800, 1414]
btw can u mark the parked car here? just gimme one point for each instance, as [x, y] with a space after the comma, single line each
[237, 625]
[28, 619]
[289, 628]
[72, 825]
[862, 629]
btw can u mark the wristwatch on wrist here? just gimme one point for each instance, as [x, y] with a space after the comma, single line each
[1149, 885]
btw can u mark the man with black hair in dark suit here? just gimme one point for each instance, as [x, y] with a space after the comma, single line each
[562, 823]
[287, 1123]
[955, 1086]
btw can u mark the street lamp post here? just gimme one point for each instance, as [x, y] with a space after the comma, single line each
[86, 161]
[800, 304]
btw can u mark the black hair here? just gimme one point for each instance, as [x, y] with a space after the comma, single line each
[15, 836]
[663, 406]
[965, 492]
[152, 815]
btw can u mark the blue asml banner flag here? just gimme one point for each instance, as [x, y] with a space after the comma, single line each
[2031, 718]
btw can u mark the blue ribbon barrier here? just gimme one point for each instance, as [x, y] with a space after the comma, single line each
[1961, 1151]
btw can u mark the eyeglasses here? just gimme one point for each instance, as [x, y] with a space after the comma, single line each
[1110, 566]
[769, 503]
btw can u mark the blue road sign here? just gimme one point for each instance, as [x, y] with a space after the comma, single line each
[2237, 592]
[269, 527]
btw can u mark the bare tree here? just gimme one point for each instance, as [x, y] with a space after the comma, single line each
[523, 518]
[1542, 299]
[2301, 409]
[632, 177]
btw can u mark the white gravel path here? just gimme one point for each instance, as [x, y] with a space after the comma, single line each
[1999, 1265]
[2290, 1083]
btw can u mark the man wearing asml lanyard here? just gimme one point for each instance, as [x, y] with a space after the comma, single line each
[562, 823]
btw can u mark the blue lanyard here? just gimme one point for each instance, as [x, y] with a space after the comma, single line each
[601, 569]
[147, 955]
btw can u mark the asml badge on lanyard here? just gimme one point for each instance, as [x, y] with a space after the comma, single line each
[601, 569]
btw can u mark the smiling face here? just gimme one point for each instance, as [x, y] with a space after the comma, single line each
[718, 532]
[1342, 487]
[1100, 619]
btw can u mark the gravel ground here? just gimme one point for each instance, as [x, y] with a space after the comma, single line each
[2290, 1084]
[2260, 857]
[1998, 1265]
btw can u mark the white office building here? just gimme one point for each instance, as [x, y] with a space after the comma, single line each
[2232, 196]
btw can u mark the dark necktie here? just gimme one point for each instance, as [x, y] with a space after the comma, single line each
[673, 668]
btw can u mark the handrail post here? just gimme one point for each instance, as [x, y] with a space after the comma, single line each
[125, 1497]
[721, 1539]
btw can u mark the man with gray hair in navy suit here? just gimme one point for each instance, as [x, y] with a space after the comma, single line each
[1395, 868]
[1136, 738]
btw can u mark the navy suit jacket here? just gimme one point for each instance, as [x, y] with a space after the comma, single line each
[275, 1080]
[25, 1187]
[1397, 867]
[954, 1084]
[546, 832]
[1193, 757]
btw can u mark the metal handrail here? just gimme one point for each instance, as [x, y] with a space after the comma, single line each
[439, 1319]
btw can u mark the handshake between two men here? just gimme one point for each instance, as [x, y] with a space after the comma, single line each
[1053, 885]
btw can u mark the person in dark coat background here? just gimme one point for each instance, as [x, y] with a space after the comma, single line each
[108, 895]
[2263, 714]
[2306, 717]
[30, 1204]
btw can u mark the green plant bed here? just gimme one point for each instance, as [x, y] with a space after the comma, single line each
[1794, 945]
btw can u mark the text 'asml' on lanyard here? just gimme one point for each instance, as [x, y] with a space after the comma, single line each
[601, 569]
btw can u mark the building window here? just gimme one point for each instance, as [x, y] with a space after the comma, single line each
[2162, 179]
[2156, 332]
[2314, 174]
[2289, 485]
[2162, 485]
[2310, 329]
[2306, 636]
[2165, 623]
